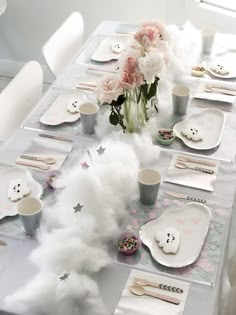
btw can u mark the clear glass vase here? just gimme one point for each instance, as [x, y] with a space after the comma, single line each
[135, 113]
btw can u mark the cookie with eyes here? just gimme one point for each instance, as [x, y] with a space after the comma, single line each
[192, 133]
[117, 47]
[73, 107]
[18, 189]
[219, 69]
[168, 240]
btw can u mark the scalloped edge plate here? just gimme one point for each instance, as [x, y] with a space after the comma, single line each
[57, 113]
[211, 124]
[192, 221]
[7, 207]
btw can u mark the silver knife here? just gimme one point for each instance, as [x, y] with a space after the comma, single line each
[183, 196]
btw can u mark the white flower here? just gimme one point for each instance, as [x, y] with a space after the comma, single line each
[151, 65]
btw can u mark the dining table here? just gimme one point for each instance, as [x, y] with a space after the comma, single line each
[204, 276]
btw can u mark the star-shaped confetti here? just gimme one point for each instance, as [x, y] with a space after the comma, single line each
[64, 277]
[78, 208]
[84, 165]
[100, 150]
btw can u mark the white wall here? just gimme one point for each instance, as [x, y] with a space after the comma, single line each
[26, 24]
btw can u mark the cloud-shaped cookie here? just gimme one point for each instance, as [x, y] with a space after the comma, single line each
[18, 189]
[219, 69]
[73, 107]
[117, 47]
[169, 240]
[192, 133]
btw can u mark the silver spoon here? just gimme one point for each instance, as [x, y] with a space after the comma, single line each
[137, 290]
[196, 168]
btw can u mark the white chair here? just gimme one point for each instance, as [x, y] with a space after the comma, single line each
[19, 97]
[62, 46]
[3, 6]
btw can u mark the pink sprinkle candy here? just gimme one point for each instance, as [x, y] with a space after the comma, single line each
[152, 215]
[133, 211]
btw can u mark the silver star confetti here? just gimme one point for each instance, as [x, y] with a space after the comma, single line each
[78, 208]
[64, 277]
[100, 150]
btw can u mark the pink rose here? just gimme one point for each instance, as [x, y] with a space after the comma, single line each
[109, 89]
[151, 34]
[131, 76]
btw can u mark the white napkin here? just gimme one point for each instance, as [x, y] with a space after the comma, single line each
[48, 148]
[213, 96]
[131, 304]
[191, 178]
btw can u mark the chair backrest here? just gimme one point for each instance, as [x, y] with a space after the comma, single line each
[62, 46]
[19, 97]
[3, 5]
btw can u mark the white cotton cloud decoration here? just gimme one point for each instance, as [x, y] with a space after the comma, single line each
[77, 243]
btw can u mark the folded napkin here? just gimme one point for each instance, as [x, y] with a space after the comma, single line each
[47, 148]
[189, 177]
[213, 96]
[130, 304]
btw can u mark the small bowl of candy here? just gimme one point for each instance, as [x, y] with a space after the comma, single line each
[165, 136]
[128, 243]
[198, 71]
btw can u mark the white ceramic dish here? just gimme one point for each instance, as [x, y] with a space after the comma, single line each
[104, 52]
[7, 207]
[192, 221]
[58, 114]
[210, 122]
[230, 75]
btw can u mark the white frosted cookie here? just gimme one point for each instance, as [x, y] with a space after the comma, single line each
[18, 189]
[219, 69]
[192, 133]
[73, 107]
[117, 47]
[169, 240]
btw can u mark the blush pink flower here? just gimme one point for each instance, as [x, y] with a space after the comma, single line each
[109, 88]
[150, 34]
[131, 76]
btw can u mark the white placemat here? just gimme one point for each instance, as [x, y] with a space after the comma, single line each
[189, 177]
[145, 305]
[48, 148]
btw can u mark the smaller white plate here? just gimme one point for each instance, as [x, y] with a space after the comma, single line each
[227, 60]
[230, 75]
[210, 123]
[192, 221]
[104, 52]
[7, 207]
[58, 114]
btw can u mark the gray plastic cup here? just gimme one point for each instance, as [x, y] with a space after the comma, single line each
[180, 98]
[30, 212]
[149, 184]
[208, 37]
[88, 116]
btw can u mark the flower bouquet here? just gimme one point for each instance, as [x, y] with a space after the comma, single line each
[130, 91]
